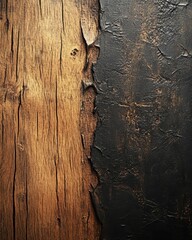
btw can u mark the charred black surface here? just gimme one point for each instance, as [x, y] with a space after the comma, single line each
[142, 149]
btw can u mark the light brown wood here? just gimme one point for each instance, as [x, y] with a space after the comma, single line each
[46, 51]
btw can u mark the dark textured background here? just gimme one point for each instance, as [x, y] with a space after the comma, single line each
[142, 149]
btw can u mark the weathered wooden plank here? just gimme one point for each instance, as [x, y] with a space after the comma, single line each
[45, 172]
[142, 148]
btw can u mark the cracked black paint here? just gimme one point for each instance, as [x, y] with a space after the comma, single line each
[142, 147]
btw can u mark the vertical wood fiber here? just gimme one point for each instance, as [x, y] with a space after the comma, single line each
[46, 52]
[142, 149]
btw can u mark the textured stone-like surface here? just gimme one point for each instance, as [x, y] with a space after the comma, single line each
[142, 149]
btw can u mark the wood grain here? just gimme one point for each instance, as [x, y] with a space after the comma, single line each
[46, 52]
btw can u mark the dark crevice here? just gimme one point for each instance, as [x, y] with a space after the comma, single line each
[14, 184]
[5, 76]
[56, 159]
[61, 52]
[57, 197]
[94, 205]
[57, 118]
[86, 49]
[7, 19]
[37, 124]
[2, 129]
[83, 140]
[1, 10]
[4, 11]
[40, 8]
[26, 201]
[17, 57]
[65, 192]
[12, 42]
[18, 110]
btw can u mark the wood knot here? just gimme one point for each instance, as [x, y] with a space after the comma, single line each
[74, 52]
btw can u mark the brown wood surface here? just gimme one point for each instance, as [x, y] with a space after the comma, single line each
[47, 121]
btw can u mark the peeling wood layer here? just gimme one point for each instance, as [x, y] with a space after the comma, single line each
[47, 121]
[142, 148]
